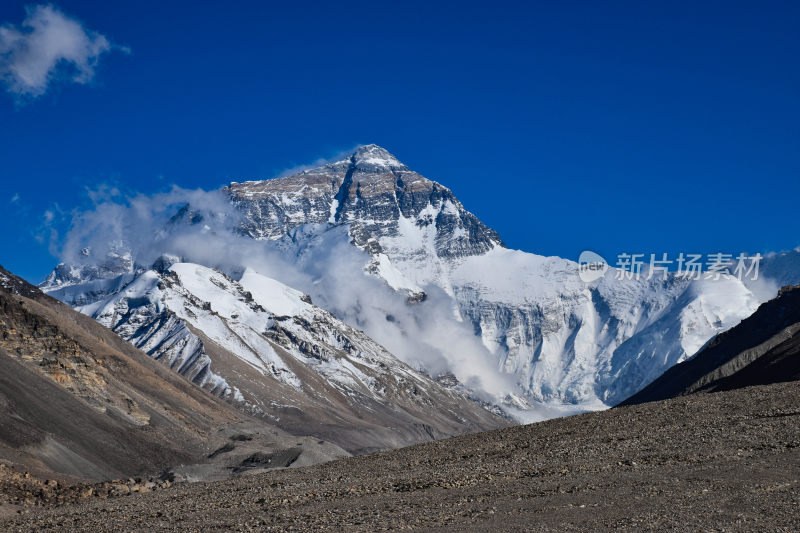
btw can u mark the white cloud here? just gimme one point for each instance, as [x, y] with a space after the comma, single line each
[15, 198]
[46, 47]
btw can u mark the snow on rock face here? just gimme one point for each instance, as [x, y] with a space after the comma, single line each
[342, 354]
[674, 329]
[381, 267]
[374, 193]
[296, 356]
[562, 341]
[273, 295]
[139, 314]
[217, 306]
[243, 317]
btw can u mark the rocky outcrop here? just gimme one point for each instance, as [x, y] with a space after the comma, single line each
[40, 343]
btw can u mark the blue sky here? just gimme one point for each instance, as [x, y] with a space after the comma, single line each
[612, 126]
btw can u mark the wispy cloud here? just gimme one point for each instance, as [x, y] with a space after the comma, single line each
[48, 46]
[46, 231]
[15, 198]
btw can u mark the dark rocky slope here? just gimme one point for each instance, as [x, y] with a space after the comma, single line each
[764, 348]
[705, 462]
[78, 401]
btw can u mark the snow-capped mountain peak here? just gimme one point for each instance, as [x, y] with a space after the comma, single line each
[374, 156]
[556, 340]
[381, 199]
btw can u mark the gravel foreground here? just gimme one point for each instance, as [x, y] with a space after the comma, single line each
[727, 461]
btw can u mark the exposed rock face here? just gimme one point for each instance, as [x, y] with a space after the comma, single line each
[41, 344]
[764, 348]
[163, 335]
[374, 193]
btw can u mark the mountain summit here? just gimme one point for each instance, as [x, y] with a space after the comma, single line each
[376, 194]
[374, 155]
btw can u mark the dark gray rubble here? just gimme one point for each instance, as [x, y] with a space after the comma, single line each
[726, 461]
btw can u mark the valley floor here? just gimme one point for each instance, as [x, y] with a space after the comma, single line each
[727, 461]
